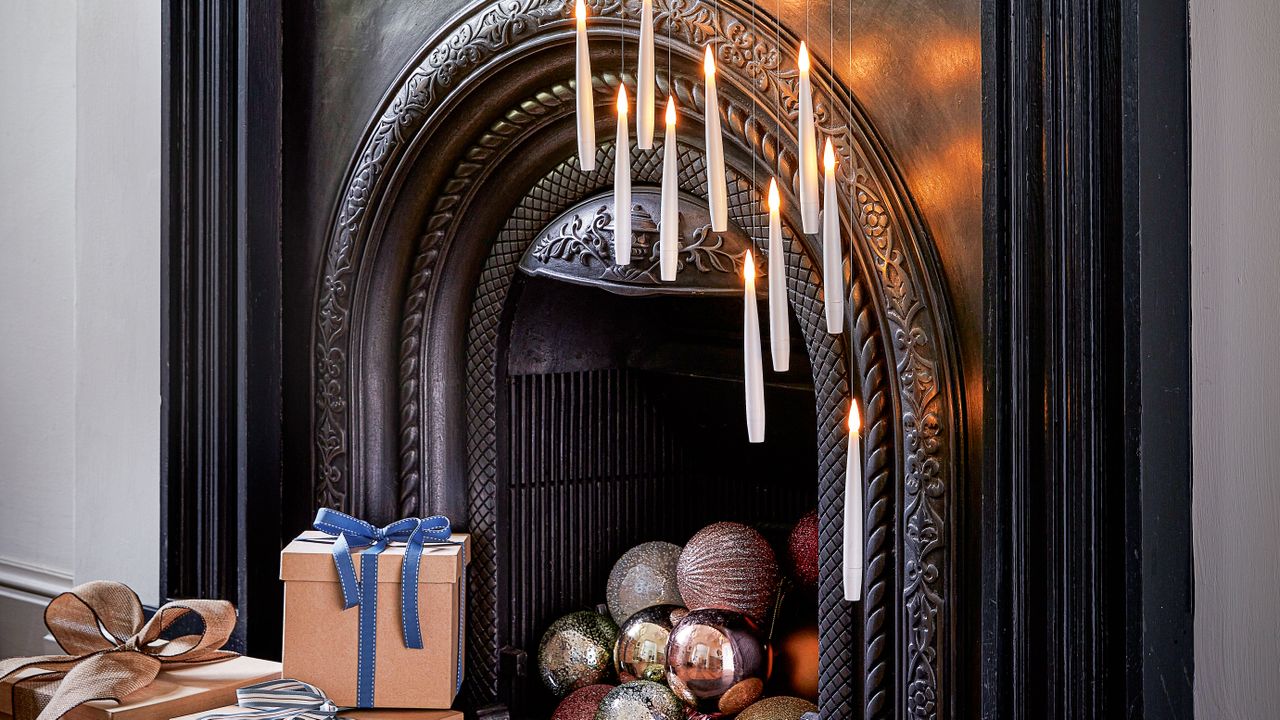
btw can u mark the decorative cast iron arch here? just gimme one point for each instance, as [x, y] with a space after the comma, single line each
[902, 316]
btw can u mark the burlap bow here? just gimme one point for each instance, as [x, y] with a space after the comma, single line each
[110, 652]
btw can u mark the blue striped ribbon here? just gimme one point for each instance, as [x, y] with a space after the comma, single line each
[280, 700]
[352, 534]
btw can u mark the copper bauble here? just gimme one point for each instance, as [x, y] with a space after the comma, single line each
[796, 662]
[577, 651]
[581, 704]
[641, 651]
[644, 576]
[802, 550]
[778, 708]
[640, 700]
[731, 566]
[717, 661]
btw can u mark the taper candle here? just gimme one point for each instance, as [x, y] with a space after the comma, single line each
[853, 533]
[808, 169]
[669, 232]
[622, 185]
[717, 192]
[645, 80]
[752, 363]
[832, 256]
[779, 328]
[586, 105]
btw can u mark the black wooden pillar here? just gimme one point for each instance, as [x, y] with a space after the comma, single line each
[220, 497]
[1086, 498]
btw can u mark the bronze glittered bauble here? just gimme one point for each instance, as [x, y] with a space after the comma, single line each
[581, 703]
[641, 652]
[644, 576]
[796, 662]
[802, 550]
[778, 708]
[731, 566]
[717, 661]
[577, 651]
[640, 700]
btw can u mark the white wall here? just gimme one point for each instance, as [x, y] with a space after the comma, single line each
[1235, 331]
[80, 288]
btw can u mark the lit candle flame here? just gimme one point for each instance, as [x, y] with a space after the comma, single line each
[804, 55]
[580, 12]
[855, 420]
[749, 267]
[622, 100]
[774, 201]
[829, 156]
[671, 111]
[709, 62]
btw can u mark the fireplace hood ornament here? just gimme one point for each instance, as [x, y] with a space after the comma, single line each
[579, 246]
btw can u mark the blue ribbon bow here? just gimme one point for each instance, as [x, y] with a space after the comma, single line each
[352, 534]
[280, 700]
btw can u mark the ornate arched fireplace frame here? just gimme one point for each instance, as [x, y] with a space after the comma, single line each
[471, 155]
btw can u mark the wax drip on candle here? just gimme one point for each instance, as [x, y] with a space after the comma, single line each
[779, 328]
[669, 230]
[753, 372]
[854, 540]
[622, 186]
[645, 80]
[808, 170]
[832, 256]
[717, 189]
[585, 103]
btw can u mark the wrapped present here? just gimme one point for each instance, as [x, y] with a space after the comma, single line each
[118, 667]
[376, 616]
[288, 699]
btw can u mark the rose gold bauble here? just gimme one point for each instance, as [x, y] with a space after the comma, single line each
[731, 566]
[717, 661]
[581, 704]
[796, 665]
[802, 550]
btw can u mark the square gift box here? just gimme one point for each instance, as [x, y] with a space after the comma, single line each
[322, 638]
[177, 690]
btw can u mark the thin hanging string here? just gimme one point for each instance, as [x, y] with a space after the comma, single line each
[777, 54]
[751, 120]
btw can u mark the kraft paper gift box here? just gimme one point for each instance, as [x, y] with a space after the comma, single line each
[321, 637]
[177, 690]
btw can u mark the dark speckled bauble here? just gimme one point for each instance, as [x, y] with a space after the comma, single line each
[802, 550]
[640, 700]
[778, 708]
[641, 652]
[644, 576]
[717, 661]
[577, 651]
[581, 704]
[731, 566]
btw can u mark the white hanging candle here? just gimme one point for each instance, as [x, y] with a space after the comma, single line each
[645, 82]
[586, 106]
[717, 192]
[853, 532]
[752, 363]
[808, 148]
[622, 186]
[669, 232]
[832, 259]
[779, 329]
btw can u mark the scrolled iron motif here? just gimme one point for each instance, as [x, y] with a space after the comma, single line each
[891, 248]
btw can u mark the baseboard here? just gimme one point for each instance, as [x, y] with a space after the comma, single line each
[25, 590]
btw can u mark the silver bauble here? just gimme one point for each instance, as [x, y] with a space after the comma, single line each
[640, 700]
[644, 576]
[577, 651]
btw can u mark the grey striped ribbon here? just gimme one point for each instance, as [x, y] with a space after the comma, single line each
[280, 700]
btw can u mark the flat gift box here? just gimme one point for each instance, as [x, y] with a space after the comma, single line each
[177, 690]
[351, 714]
[321, 637]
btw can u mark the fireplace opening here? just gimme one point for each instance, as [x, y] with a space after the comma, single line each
[622, 422]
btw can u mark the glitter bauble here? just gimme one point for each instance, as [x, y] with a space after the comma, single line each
[802, 549]
[581, 704]
[576, 651]
[644, 576]
[731, 566]
[641, 652]
[717, 661]
[778, 708]
[796, 663]
[640, 700]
